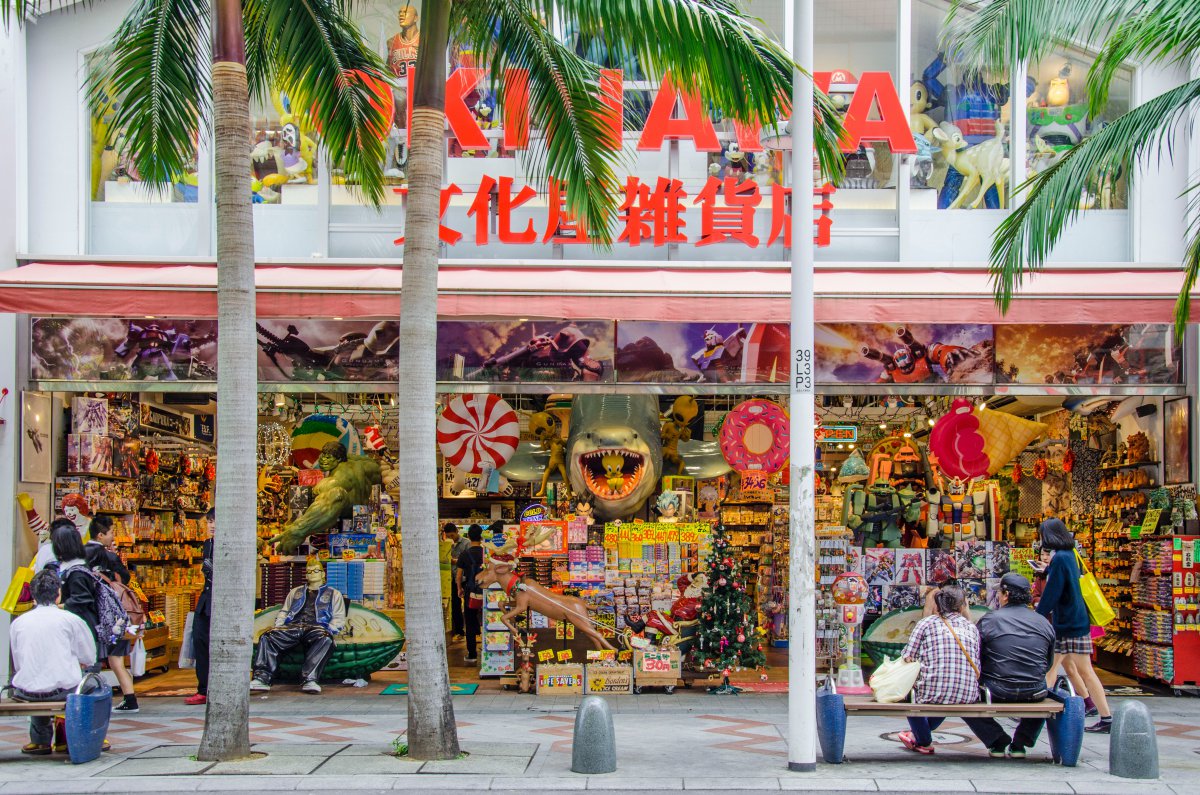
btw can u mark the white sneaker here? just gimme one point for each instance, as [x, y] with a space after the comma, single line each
[258, 685]
[470, 660]
[311, 686]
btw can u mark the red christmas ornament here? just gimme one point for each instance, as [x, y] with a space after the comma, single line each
[741, 638]
[721, 581]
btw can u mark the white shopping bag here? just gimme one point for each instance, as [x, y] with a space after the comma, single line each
[187, 657]
[893, 680]
[137, 658]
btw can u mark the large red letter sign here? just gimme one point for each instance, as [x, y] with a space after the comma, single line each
[462, 122]
[873, 88]
[661, 124]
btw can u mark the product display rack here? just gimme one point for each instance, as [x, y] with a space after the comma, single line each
[1112, 564]
[1166, 601]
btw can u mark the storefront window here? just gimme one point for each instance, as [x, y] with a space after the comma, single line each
[283, 154]
[114, 175]
[961, 124]
[1057, 109]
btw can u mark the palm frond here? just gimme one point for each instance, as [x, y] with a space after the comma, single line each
[1025, 238]
[153, 79]
[563, 100]
[1191, 267]
[709, 47]
[313, 51]
[20, 11]
[1164, 31]
[993, 34]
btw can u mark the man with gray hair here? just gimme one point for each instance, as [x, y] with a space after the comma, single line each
[49, 646]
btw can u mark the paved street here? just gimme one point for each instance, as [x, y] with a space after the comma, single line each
[688, 740]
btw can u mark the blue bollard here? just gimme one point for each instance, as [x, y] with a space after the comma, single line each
[87, 716]
[831, 725]
[1065, 730]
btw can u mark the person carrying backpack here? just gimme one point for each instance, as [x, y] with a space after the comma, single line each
[104, 561]
[89, 597]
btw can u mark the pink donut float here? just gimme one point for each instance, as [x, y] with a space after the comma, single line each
[755, 436]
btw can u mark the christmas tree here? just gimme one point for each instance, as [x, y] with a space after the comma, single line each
[729, 638]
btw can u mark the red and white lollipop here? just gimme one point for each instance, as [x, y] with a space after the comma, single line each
[478, 429]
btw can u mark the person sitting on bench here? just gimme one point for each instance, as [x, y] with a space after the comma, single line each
[48, 647]
[1017, 650]
[947, 646]
[311, 615]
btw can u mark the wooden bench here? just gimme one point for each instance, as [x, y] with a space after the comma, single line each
[31, 709]
[1063, 714]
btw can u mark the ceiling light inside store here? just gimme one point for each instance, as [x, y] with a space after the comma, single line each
[907, 434]
[393, 399]
[841, 446]
[883, 426]
[281, 400]
[930, 421]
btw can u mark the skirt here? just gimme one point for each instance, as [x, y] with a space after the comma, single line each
[1080, 645]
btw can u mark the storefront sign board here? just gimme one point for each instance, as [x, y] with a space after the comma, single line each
[608, 678]
[157, 418]
[560, 680]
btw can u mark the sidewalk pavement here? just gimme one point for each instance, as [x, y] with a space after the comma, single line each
[688, 740]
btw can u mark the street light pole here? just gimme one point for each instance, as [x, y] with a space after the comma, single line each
[802, 619]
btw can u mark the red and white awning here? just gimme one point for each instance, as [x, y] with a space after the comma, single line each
[711, 292]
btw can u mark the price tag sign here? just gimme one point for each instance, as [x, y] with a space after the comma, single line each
[624, 654]
[688, 535]
[565, 655]
[1151, 521]
[624, 533]
[608, 654]
[593, 655]
[545, 655]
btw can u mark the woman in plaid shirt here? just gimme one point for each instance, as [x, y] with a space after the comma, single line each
[947, 646]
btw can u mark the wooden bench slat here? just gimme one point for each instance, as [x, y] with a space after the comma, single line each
[27, 707]
[864, 705]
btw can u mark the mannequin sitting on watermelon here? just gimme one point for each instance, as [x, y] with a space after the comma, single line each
[311, 616]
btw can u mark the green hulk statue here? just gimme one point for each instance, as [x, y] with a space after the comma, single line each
[347, 483]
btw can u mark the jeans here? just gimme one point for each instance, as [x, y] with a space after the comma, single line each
[923, 729]
[989, 731]
[41, 727]
[317, 644]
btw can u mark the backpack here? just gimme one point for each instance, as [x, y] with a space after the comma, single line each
[135, 611]
[112, 616]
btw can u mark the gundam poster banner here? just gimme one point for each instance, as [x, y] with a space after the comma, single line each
[933, 353]
[123, 349]
[717, 353]
[1128, 353]
[328, 350]
[522, 351]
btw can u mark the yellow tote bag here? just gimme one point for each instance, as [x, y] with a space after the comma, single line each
[1100, 612]
[16, 598]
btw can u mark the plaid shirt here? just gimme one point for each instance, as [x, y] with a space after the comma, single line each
[946, 676]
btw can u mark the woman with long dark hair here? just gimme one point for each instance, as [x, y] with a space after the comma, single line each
[78, 584]
[1062, 603]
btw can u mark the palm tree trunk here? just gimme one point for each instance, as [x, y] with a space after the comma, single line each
[432, 733]
[227, 719]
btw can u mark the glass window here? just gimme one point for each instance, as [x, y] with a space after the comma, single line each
[1057, 108]
[283, 153]
[113, 169]
[962, 123]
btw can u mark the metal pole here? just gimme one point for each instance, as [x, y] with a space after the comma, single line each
[802, 619]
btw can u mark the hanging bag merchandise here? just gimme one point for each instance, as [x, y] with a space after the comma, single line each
[187, 654]
[1100, 612]
[17, 598]
[894, 680]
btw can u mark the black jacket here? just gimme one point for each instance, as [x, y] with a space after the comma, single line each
[79, 595]
[1016, 651]
[102, 561]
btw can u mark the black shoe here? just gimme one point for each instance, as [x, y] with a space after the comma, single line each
[997, 750]
[1102, 726]
[126, 708]
[1016, 751]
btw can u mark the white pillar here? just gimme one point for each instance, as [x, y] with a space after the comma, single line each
[802, 621]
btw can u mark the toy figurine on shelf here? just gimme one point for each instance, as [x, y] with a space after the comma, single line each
[547, 429]
[584, 508]
[667, 506]
[877, 514]
[676, 428]
[526, 674]
[955, 515]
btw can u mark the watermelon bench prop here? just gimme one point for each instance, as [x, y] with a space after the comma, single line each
[369, 641]
[889, 634]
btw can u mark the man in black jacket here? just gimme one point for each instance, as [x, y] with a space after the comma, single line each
[1017, 648]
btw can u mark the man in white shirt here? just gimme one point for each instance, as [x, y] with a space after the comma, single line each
[48, 647]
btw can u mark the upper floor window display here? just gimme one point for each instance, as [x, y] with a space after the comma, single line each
[961, 122]
[113, 171]
[283, 153]
[1057, 111]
